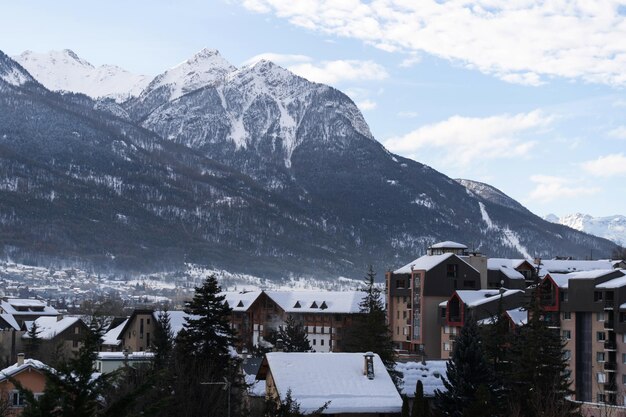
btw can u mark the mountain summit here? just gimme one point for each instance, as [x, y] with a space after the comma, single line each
[250, 169]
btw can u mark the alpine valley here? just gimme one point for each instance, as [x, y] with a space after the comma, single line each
[252, 170]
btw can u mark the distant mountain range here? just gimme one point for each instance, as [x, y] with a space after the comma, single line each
[610, 227]
[250, 169]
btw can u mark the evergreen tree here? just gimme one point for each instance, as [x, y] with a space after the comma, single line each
[496, 342]
[204, 366]
[369, 331]
[163, 341]
[538, 373]
[289, 408]
[33, 342]
[467, 371]
[405, 407]
[294, 336]
[420, 406]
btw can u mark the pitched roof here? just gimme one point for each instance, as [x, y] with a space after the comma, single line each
[473, 298]
[111, 338]
[564, 266]
[50, 327]
[15, 369]
[614, 283]
[239, 301]
[317, 301]
[315, 378]
[496, 263]
[27, 306]
[426, 263]
[10, 320]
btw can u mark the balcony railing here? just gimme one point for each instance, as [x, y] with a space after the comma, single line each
[610, 387]
[609, 304]
[610, 366]
[610, 345]
[608, 325]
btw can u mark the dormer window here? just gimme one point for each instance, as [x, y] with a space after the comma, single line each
[323, 306]
[297, 305]
[240, 304]
[314, 305]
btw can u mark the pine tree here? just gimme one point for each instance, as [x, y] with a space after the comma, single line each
[294, 336]
[205, 367]
[496, 338]
[420, 406]
[33, 342]
[538, 367]
[369, 331]
[405, 407]
[289, 407]
[467, 371]
[163, 341]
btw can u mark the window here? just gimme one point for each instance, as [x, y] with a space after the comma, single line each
[75, 344]
[601, 377]
[567, 354]
[446, 347]
[597, 296]
[404, 314]
[563, 296]
[148, 339]
[600, 398]
[567, 334]
[322, 342]
[624, 379]
[623, 357]
[452, 270]
[314, 342]
[76, 330]
[624, 337]
[398, 330]
[600, 357]
[404, 299]
[567, 315]
[141, 328]
[600, 316]
[600, 336]
[16, 399]
[398, 314]
[148, 320]
[443, 313]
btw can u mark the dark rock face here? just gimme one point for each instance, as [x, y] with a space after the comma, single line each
[255, 170]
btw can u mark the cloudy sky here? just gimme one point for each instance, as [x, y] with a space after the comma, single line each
[528, 96]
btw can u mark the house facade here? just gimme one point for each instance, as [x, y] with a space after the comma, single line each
[30, 374]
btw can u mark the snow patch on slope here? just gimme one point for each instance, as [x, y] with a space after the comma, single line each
[509, 237]
[66, 71]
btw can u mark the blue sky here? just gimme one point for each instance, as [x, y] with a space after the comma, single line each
[526, 97]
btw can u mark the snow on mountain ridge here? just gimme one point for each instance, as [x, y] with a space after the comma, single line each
[12, 73]
[66, 71]
[609, 227]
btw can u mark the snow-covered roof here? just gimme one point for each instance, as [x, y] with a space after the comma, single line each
[317, 301]
[448, 244]
[496, 263]
[430, 373]
[119, 356]
[27, 306]
[15, 369]
[177, 319]
[315, 378]
[473, 298]
[519, 316]
[241, 301]
[49, 327]
[561, 280]
[560, 265]
[511, 273]
[111, 338]
[10, 320]
[426, 263]
[614, 283]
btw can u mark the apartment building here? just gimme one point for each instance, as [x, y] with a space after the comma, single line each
[480, 305]
[589, 309]
[415, 291]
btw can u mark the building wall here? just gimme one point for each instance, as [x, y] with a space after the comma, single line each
[569, 325]
[139, 333]
[31, 379]
[431, 329]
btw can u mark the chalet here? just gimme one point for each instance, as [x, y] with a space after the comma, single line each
[26, 309]
[59, 335]
[349, 384]
[510, 273]
[30, 374]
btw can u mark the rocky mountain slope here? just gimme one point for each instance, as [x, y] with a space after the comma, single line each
[249, 169]
[610, 227]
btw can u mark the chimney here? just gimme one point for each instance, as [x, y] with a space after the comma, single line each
[369, 365]
[278, 347]
[20, 359]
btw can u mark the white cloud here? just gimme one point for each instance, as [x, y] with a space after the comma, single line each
[467, 139]
[550, 188]
[411, 61]
[326, 72]
[334, 72]
[606, 166]
[618, 133]
[366, 105]
[520, 41]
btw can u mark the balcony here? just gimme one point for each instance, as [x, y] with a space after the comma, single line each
[610, 366]
[608, 325]
[610, 387]
[610, 345]
[609, 304]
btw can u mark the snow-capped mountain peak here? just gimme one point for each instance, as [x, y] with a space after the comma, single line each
[610, 227]
[66, 71]
[204, 68]
[12, 73]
